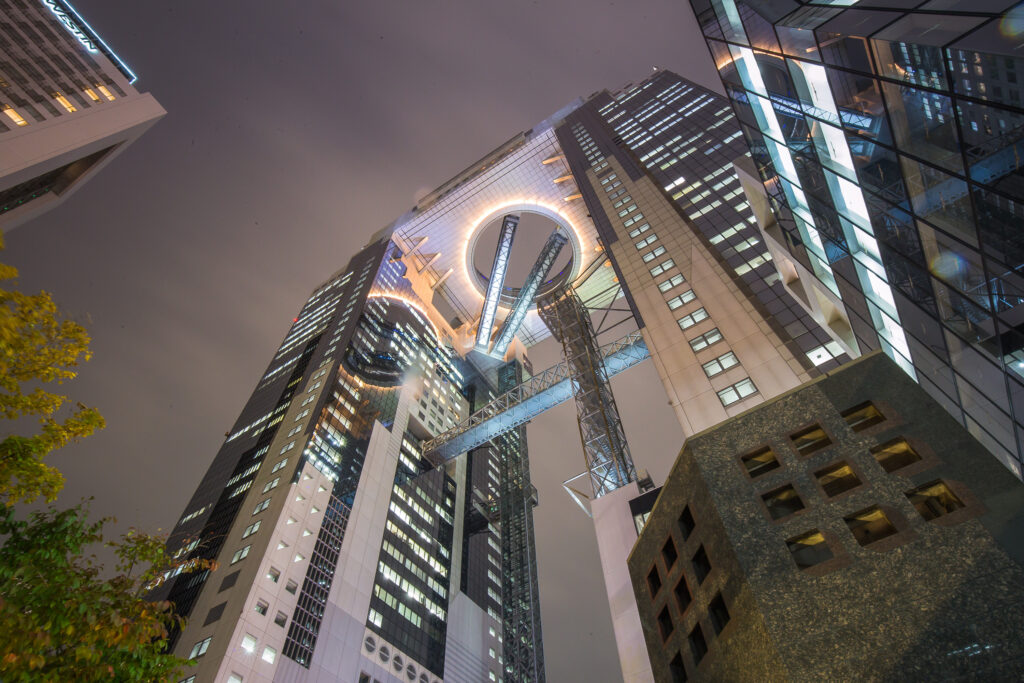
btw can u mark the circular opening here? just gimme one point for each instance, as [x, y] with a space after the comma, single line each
[534, 228]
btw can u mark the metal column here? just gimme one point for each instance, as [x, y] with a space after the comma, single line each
[608, 461]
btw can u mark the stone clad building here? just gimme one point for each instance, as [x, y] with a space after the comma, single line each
[848, 530]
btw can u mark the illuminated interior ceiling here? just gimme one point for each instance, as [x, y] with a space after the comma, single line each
[526, 174]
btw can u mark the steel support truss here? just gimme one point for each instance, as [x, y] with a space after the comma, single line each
[502, 254]
[524, 300]
[608, 461]
[529, 399]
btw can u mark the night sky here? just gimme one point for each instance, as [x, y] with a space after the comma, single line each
[294, 131]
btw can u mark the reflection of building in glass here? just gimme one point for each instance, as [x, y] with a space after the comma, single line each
[67, 106]
[848, 530]
[886, 177]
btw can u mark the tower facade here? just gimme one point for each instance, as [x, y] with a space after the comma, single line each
[67, 106]
[885, 175]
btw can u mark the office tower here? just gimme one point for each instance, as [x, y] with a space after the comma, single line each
[67, 106]
[885, 174]
[848, 530]
[372, 506]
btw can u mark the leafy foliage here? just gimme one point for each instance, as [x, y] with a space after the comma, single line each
[63, 621]
[63, 616]
[37, 348]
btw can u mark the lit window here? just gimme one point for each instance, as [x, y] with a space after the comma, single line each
[809, 549]
[674, 281]
[64, 102]
[836, 479]
[273, 574]
[249, 643]
[251, 529]
[684, 298]
[279, 465]
[240, 554]
[692, 319]
[235, 678]
[782, 502]
[809, 440]
[271, 484]
[106, 93]
[200, 648]
[269, 654]
[933, 500]
[261, 607]
[895, 454]
[15, 116]
[870, 525]
[720, 364]
[705, 340]
[760, 462]
[863, 416]
[92, 94]
[261, 506]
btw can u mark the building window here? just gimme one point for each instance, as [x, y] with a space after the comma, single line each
[240, 554]
[682, 593]
[654, 581]
[895, 455]
[653, 254]
[705, 340]
[863, 416]
[810, 440]
[200, 648]
[671, 283]
[720, 364]
[279, 465]
[782, 502]
[273, 574]
[261, 607]
[737, 392]
[701, 565]
[665, 625]
[668, 553]
[934, 500]
[291, 587]
[686, 523]
[718, 614]
[215, 613]
[663, 267]
[869, 525]
[836, 479]
[809, 549]
[252, 528]
[261, 506]
[249, 643]
[272, 484]
[281, 619]
[761, 461]
[681, 300]
[269, 654]
[13, 115]
[688, 321]
[234, 678]
[698, 645]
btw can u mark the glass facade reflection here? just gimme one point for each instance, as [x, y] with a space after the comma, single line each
[888, 139]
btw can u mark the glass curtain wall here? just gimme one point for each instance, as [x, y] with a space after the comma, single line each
[888, 136]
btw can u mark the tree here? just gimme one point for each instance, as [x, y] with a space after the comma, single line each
[63, 616]
[62, 621]
[37, 348]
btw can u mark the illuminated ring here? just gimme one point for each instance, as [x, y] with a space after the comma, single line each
[508, 294]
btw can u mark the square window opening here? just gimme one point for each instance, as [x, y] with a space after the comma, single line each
[895, 455]
[862, 416]
[870, 525]
[760, 462]
[783, 502]
[810, 440]
[934, 500]
[809, 549]
[836, 479]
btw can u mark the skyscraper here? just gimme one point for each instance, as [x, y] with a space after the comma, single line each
[885, 175]
[67, 106]
[372, 506]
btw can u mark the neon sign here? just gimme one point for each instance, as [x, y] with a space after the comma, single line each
[81, 30]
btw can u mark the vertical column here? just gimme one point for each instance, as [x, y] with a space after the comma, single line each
[609, 463]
